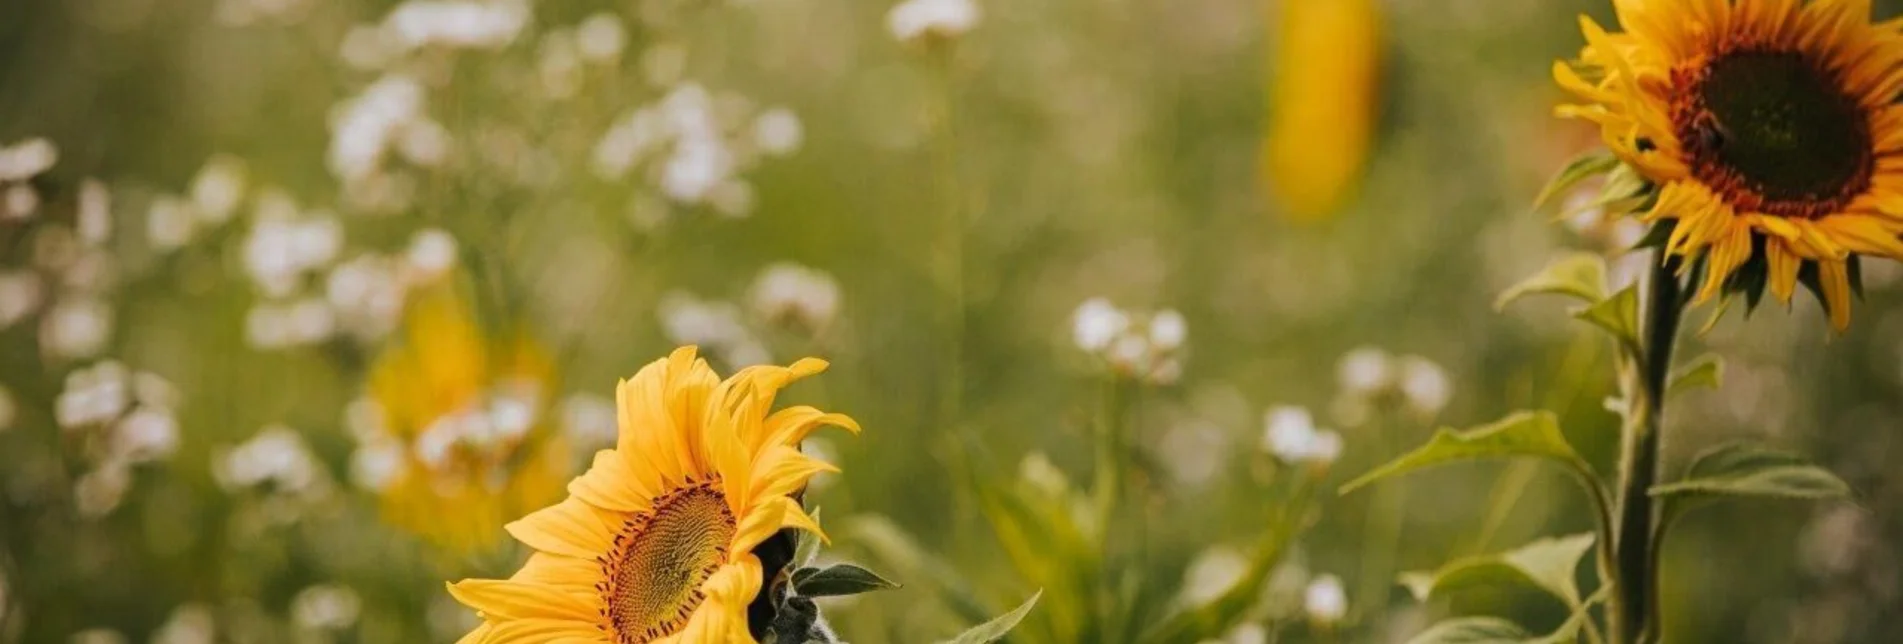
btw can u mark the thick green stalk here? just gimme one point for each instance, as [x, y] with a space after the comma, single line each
[1633, 610]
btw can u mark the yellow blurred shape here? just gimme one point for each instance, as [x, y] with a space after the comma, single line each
[1323, 88]
[443, 368]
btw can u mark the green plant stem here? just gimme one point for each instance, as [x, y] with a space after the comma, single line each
[1633, 611]
[948, 240]
[1382, 529]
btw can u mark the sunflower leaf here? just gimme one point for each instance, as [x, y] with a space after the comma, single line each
[999, 626]
[1579, 275]
[1548, 564]
[1521, 434]
[1705, 371]
[837, 580]
[1746, 470]
[1589, 164]
[1618, 315]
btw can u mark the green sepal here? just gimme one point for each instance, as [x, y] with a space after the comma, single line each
[838, 580]
[1588, 164]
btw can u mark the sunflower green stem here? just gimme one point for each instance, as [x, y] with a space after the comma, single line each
[1633, 611]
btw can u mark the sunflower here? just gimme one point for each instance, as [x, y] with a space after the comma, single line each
[464, 441]
[1769, 128]
[655, 542]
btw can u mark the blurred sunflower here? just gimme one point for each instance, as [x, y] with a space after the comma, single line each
[656, 541]
[1322, 97]
[1770, 129]
[465, 440]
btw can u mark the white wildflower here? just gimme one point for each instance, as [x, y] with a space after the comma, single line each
[914, 20]
[218, 188]
[778, 131]
[326, 607]
[169, 223]
[20, 293]
[432, 253]
[276, 455]
[27, 159]
[1424, 385]
[456, 24]
[362, 127]
[76, 327]
[1097, 323]
[146, 434]
[792, 293]
[1290, 435]
[98, 492]
[1168, 330]
[189, 624]
[19, 201]
[1364, 370]
[94, 212]
[1325, 601]
[378, 463]
[600, 38]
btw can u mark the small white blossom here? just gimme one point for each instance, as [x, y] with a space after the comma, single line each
[793, 293]
[1290, 435]
[1364, 370]
[189, 624]
[92, 395]
[778, 131]
[169, 223]
[456, 24]
[1096, 323]
[276, 455]
[20, 293]
[218, 188]
[19, 201]
[27, 159]
[363, 127]
[325, 607]
[378, 463]
[1041, 474]
[1325, 601]
[600, 38]
[146, 434]
[98, 492]
[94, 212]
[1168, 330]
[1424, 384]
[423, 142]
[432, 253]
[76, 327]
[915, 20]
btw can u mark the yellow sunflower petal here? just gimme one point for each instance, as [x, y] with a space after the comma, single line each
[1834, 276]
[521, 600]
[1784, 265]
[1864, 234]
[544, 631]
[612, 483]
[571, 528]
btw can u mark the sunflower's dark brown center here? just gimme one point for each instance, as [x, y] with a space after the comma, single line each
[1772, 132]
[652, 579]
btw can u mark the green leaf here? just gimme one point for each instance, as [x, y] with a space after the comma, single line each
[1548, 564]
[1590, 164]
[1473, 630]
[1618, 315]
[996, 629]
[1218, 616]
[837, 580]
[1579, 275]
[1705, 371]
[895, 547]
[1745, 470]
[1522, 434]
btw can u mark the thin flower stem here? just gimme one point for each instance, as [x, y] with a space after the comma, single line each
[1382, 527]
[1634, 610]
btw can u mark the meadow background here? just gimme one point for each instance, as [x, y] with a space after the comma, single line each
[256, 251]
